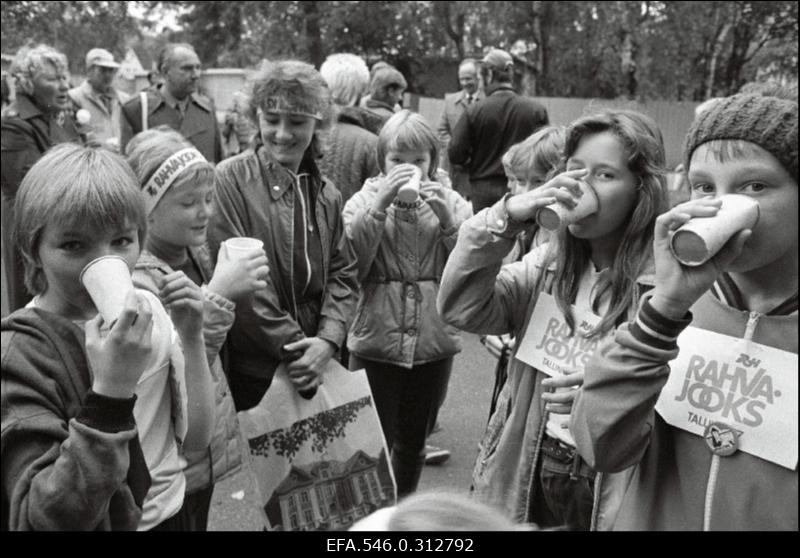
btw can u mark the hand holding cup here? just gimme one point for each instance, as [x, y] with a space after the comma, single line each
[240, 270]
[118, 358]
[183, 299]
[564, 189]
[391, 184]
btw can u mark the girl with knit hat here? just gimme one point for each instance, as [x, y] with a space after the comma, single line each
[707, 414]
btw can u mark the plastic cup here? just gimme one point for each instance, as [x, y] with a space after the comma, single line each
[409, 192]
[108, 282]
[557, 216]
[698, 240]
[236, 248]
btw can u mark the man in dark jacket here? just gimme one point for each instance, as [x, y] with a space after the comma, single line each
[177, 104]
[39, 118]
[490, 127]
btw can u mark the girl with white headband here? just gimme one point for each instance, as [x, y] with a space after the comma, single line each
[177, 181]
[275, 193]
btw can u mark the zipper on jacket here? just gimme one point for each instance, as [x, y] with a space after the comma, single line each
[713, 473]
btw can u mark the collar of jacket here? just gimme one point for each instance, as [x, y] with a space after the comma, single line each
[495, 87]
[89, 91]
[357, 116]
[477, 96]
[198, 100]
[26, 107]
[373, 103]
[279, 179]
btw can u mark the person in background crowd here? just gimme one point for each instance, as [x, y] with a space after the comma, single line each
[350, 156]
[527, 165]
[154, 80]
[401, 248]
[6, 90]
[175, 249]
[100, 99]
[238, 131]
[39, 118]
[176, 103]
[715, 479]
[94, 414]
[490, 127]
[590, 276]
[454, 106]
[276, 193]
[386, 90]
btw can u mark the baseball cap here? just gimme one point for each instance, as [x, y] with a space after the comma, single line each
[100, 57]
[497, 59]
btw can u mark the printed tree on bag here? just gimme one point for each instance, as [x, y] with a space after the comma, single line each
[321, 429]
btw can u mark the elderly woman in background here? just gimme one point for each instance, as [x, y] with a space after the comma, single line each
[275, 193]
[39, 118]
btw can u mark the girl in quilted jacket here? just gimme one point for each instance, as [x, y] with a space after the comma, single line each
[177, 182]
[398, 336]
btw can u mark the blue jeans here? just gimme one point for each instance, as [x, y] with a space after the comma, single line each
[563, 491]
[407, 401]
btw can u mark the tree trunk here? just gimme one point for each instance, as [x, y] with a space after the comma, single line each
[313, 33]
[719, 44]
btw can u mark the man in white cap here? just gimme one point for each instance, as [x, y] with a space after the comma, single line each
[100, 101]
[487, 129]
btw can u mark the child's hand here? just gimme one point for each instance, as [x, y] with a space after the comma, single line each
[563, 188]
[387, 188]
[118, 360]
[433, 194]
[305, 372]
[183, 299]
[241, 276]
[560, 401]
[677, 286]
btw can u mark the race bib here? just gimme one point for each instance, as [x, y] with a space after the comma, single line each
[549, 345]
[734, 392]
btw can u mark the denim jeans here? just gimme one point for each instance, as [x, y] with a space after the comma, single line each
[563, 492]
[407, 401]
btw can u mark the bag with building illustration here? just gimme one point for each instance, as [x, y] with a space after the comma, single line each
[319, 464]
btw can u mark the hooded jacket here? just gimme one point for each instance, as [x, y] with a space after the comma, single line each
[481, 295]
[401, 255]
[71, 459]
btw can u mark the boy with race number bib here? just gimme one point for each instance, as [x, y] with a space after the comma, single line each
[708, 414]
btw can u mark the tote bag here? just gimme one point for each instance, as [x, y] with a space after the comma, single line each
[319, 464]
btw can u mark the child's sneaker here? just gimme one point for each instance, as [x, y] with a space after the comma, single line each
[435, 456]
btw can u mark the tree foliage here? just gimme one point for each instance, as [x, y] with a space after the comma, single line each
[635, 49]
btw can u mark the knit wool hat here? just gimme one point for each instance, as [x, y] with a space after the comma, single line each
[769, 122]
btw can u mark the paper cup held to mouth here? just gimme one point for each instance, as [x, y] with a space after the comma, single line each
[238, 247]
[409, 192]
[557, 216]
[698, 240]
[108, 281]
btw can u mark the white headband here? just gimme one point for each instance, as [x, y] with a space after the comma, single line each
[280, 105]
[166, 174]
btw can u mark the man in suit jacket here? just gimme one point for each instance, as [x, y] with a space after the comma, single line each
[454, 106]
[100, 99]
[177, 104]
[489, 128]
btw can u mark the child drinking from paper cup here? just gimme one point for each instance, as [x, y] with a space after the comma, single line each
[401, 247]
[568, 293]
[177, 182]
[95, 414]
[646, 404]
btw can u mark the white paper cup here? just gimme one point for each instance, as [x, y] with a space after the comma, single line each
[557, 216]
[236, 248]
[409, 192]
[108, 281]
[698, 240]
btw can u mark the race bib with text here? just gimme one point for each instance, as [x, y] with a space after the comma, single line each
[749, 387]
